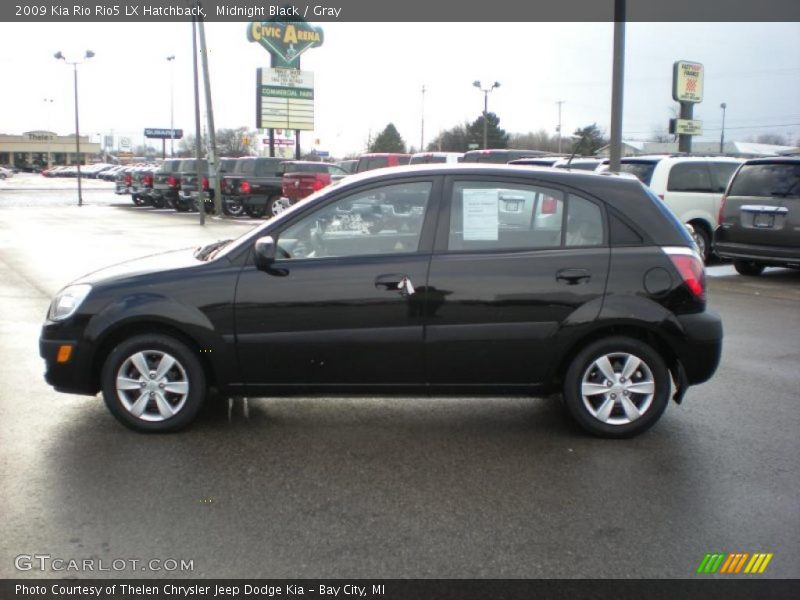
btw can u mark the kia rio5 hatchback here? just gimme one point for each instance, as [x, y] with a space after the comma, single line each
[426, 280]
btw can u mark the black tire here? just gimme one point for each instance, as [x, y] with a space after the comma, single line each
[232, 207]
[703, 240]
[182, 205]
[617, 422]
[255, 212]
[748, 267]
[158, 202]
[138, 200]
[154, 416]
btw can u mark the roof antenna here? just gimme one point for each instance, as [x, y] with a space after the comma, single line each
[575, 149]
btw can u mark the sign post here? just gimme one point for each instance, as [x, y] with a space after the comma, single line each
[285, 42]
[687, 88]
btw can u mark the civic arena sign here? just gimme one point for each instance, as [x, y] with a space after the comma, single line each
[285, 41]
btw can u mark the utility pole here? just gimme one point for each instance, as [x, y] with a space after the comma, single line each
[617, 86]
[198, 131]
[560, 102]
[213, 163]
[422, 132]
[171, 61]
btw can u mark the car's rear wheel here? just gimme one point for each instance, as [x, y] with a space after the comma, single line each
[138, 200]
[232, 207]
[153, 383]
[158, 202]
[748, 267]
[703, 241]
[617, 387]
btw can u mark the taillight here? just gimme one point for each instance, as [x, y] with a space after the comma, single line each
[148, 180]
[224, 185]
[244, 187]
[549, 206]
[721, 209]
[171, 181]
[205, 184]
[320, 181]
[128, 179]
[690, 268]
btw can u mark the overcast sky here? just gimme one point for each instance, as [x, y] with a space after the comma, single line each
[370, 74]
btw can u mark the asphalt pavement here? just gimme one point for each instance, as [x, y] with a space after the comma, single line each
[375, 487]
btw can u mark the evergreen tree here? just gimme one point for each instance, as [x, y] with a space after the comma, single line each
[388, 140]
[590, 139]
[495, 137]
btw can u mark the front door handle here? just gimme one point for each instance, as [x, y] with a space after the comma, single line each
[573, 276]
[395, 282]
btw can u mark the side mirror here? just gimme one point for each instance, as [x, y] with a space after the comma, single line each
[264, 252]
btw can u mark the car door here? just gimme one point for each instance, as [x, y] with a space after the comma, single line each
[514, 263]
[342, 305]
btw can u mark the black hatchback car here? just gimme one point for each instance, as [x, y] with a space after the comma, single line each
[435, 279]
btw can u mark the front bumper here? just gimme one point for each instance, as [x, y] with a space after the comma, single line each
[74, 376]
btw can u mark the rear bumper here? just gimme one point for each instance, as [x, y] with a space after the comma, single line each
[768, 255]
[700, 350]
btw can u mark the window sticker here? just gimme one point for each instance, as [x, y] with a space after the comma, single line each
[480, 214]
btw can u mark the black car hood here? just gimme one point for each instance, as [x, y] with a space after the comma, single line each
[147, 265]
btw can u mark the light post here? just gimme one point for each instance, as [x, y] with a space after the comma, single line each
[171, 61]
[59, 56]
[477, 84]
[723, 106]
[48, 103]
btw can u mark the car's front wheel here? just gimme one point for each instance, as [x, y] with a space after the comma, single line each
[153, 383]
[617, 387]
[278, 204]
[748, 267]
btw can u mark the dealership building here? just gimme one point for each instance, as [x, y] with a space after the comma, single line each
[44, 148]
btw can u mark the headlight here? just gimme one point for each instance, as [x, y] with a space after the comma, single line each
[67, 301]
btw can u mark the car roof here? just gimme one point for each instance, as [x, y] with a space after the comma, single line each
[768, 160]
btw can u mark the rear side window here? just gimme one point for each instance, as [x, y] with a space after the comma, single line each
[643, 170]
[268, 168]
[499, 216]
[721, 173]
[245, 167]
[689, 177]
[776, 179]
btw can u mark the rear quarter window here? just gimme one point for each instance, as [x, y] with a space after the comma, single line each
[721, 173]
[767, 180]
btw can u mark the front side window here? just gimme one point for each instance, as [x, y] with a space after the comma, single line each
[383, 220]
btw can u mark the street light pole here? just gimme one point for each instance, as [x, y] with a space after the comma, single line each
[723, 106]
[59, 56]
[171, 60]
[48, 102]
[560, 102]
[422, 125]
[477, 84]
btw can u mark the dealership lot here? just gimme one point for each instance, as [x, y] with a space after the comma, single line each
[404, 487]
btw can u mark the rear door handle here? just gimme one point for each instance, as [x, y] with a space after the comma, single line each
[395, 282]
[573, 276]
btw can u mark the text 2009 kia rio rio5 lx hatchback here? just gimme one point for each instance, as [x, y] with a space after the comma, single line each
[436, 279]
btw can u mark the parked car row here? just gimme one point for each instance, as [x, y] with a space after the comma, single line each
[92, 171]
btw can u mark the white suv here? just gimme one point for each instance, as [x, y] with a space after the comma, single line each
[691, 186]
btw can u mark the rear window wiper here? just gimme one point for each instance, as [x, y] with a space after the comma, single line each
[787, 191]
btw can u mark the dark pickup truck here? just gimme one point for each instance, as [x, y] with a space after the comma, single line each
[142, 184]
[253, 187]
[190, 190]
[166, 183]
